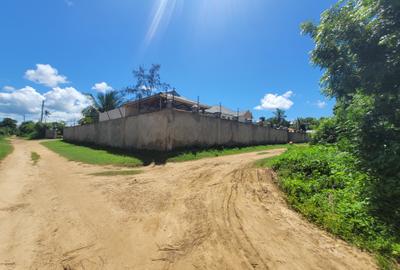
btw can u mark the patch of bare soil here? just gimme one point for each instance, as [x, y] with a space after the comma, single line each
[218, 213]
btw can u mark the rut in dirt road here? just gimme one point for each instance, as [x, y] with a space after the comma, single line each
[218, 213]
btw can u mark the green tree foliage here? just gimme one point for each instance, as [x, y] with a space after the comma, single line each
[107, 101]
[326, 132]
[306, 123]
[8, 127]
[37, 130]
[101, 103]
[59, 126]
[280, 117]
[278, 120]
[147, 82]
[90, 116]
[40, 131]
[26, 128]
[358, 47]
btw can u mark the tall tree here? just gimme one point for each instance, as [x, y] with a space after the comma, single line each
[101, 103]
[9, 123]
[280, 117]
[8, 126]
[107, 101]
[147, 82]
[358, 47]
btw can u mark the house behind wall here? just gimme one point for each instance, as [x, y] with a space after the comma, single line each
[171, 100]
[153, 103]
[170, 129]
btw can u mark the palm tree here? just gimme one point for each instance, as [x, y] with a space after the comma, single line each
[107, 101]
[46, 114]
[280, 117]
[101, 103]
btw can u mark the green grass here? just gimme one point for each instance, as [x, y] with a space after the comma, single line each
[90, 155]
[117, 173]
[187, 155]
[35, 157]
[326, 186]
[110, 156]
[5, 148]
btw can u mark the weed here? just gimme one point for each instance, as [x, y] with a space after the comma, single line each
[35, 157]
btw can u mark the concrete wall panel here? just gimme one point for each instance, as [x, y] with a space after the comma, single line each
[171, 129]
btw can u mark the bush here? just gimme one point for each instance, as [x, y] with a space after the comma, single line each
[326, 186]
[39, 131]
[326, 132]
[26, 129]
[4, 132]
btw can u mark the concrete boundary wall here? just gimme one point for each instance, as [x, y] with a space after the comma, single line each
[171, 129]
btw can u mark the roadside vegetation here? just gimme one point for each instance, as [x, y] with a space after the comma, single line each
[28, 129]
[5, 147]
[348, 182]
[328, 188]
[108, 156]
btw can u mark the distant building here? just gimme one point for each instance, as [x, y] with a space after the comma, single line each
[225, 113]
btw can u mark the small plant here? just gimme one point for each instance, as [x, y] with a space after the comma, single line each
[35, 157]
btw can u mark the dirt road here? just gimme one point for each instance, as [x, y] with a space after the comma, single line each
[210, 214]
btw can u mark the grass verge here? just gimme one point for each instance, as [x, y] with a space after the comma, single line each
[91, 155]
[35, 157]
[326, 186]
[187, 155]
[110, 156]
[5, 148]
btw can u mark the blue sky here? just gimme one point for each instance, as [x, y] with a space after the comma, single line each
[232, 51]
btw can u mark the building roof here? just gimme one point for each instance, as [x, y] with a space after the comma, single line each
[224, 110]
[172, 95]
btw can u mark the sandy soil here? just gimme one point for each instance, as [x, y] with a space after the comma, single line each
[210, 214]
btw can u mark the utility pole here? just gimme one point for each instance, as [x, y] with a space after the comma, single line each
[41, 115]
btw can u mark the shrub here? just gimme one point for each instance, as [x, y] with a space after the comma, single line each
[326, 132]
[26, 128]
[326, 186]
[4, 132]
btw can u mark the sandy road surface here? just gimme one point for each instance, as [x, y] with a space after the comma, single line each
[210, 214]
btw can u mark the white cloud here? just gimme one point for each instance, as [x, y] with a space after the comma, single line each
[23, 101]
[63, 103]
[8, 88]
[102, 87]
[275, 101]
[321, 104]
[46, 75]
[66, 100]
